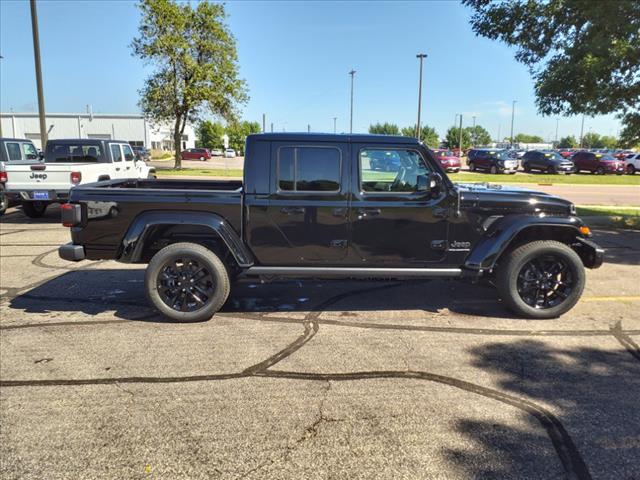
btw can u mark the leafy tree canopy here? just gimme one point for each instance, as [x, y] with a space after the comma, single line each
[210, 134]
[567, 142]
[384, 129]
[479, 135]
[238, 131]
[595, 140]
[452, 138]
[428, 135]
[196, 64]
[584, 55]
[525, 138]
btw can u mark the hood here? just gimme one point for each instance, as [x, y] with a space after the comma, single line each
[491, 199]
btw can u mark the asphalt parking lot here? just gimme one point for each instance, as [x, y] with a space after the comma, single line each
[420, 379]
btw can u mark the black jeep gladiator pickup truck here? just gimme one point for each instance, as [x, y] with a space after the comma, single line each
[311, 205]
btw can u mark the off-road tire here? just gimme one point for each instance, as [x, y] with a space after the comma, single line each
[205, 257]
[34, 209]
[511, 264]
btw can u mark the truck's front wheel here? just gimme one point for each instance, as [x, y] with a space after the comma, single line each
[187, 282]
[542, 279]
[34, 209]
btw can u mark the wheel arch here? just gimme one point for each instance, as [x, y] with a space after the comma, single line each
[151, 231]
[511, 232]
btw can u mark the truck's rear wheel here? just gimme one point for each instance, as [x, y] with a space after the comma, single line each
[34, 209]
[187, 282]
[4, 203]
[542, 279]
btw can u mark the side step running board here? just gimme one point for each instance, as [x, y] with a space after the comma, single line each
[355, 272]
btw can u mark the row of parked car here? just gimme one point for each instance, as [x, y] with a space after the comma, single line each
[204, 154]
[542, 161]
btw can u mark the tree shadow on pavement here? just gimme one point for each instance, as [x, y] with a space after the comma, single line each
[94, 291]
[594, 391]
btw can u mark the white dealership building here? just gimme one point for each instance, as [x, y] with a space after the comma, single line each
[130, 127]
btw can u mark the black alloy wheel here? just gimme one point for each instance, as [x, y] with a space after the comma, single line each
[545, 282]
[184, 284]
[600, 171]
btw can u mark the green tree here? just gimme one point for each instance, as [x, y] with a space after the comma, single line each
[583, 58]
[429, 135]
[592, 140]
[238, 131]
[609, 141]
[568, 142]
[196, 64]
[479, 135]
[526, 138]
[452, 138]
[210, 134]
[384, 129]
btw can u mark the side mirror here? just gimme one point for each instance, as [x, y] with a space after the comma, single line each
[40, 155]
[430, 183]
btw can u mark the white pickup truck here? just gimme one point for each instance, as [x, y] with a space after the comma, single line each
[68, 163]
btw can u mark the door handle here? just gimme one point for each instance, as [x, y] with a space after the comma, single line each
[292, 210]
[368, 212]
[118, 169]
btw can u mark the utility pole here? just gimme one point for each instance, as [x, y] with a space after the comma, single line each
[581, 130]
[473, 132]
[421, 56]
[308, 128]
[460, 139]
[513, 110]
[352, 73]
[499, 127]
[36, 57]
[334, 124]
[555, 144]
[264, 125]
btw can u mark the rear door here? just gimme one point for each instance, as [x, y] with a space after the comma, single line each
[129, 162]
[392, 223]
[117, 159]
[307, 204]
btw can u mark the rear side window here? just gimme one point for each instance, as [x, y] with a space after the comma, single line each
[72, 153]
[116, 153]
[309, 169]
[13, 151]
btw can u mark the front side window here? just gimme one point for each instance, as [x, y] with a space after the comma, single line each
[30, 152]
[309, 169]
[404, 179]
[116, 153]
[13, 151]
[128, 153]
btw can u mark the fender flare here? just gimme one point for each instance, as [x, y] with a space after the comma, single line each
[132, 245]
[500, 234]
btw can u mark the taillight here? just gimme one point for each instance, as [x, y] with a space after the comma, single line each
[76, 177]
[3, 177]
[71, 214]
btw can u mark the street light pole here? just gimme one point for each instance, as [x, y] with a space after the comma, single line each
[36, 57]
[460, 138]
[421, 56]
[513, 110]
[581, 131]
[334, 124]
[473, 132]
[556, 141]
[352, 73]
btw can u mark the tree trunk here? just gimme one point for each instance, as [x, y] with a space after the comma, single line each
[177, 143]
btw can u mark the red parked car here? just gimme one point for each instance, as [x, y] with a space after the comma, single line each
[566, 153]
[599, 163]
[447, 160]
[196, 154]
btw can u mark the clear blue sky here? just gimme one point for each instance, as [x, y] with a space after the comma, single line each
[295, 57]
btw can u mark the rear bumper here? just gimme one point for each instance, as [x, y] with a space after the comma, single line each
[30, 195]
[71, 252]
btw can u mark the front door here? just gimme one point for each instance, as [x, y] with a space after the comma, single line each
[307, 205]
[392, 223]
[129, 161]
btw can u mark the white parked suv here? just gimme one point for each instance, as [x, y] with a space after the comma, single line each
[230, 153]
[632, 163]
[68, 163]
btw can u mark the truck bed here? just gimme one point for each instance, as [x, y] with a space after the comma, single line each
[113, 205]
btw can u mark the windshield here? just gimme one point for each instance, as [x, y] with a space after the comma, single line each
[72, 153]
[607, 158]
[553, 155]
[503, 155]
[444, 153]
